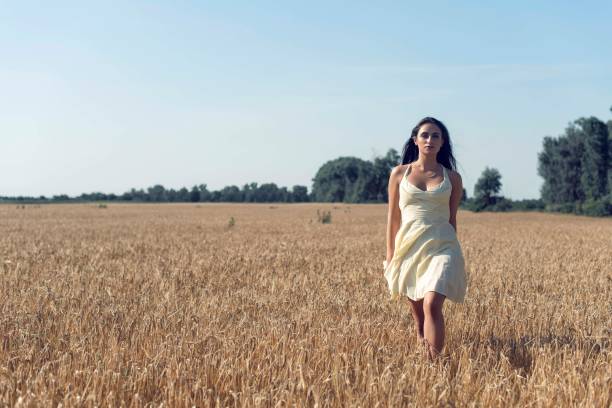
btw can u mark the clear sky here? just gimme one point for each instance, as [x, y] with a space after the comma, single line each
[110, 95]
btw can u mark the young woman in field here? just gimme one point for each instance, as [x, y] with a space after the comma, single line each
[424, 258]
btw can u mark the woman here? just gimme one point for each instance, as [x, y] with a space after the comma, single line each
[424, 259]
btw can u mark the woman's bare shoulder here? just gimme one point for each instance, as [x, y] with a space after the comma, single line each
[455, 176]
[398, 171]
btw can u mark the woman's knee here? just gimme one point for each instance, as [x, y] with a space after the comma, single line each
[432, 303]
[416, 306]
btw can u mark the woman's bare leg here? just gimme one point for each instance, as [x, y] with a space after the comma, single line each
[416, 307]
[434, 322]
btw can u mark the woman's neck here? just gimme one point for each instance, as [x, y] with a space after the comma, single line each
[426, 163]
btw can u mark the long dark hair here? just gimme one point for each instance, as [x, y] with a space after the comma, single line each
[410, 152]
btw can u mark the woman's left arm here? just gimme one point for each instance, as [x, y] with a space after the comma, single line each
[455, 198]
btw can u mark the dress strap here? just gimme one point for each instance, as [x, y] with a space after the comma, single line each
[407, 168]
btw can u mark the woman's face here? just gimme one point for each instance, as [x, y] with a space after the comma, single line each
[429, 139]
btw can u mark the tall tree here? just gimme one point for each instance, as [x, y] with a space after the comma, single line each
[610, 155]
[204, 193]
[183, 195]
[570, 171]
[382, 168]
[194, 194]
[549, 164]
[157, 193]
[249, 191]
[560, 165]
[299, 194]
[487, 186]
[268, 192]
[594, 163]
[171, 195]
[231, 194]
[284, 195]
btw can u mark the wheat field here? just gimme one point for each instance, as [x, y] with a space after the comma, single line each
[262, 305]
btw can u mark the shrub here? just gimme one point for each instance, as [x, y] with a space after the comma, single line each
[597, 208]
[528, 204]
[567, 208]
[324, 217]
[502, 204]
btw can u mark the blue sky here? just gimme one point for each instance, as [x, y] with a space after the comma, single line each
[106, 96]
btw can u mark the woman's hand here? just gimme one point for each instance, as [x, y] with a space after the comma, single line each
[387, 261]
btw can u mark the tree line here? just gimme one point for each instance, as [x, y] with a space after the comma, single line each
[353, 180]
[249, 193]
[576, 167]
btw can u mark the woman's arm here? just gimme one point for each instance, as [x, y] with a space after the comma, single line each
[394, 216]
[455, 198]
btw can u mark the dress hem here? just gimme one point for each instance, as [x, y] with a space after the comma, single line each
[395, 296]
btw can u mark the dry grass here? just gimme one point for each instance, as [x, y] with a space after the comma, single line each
[136, 304]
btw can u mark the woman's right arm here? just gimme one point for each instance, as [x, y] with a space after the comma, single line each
[394, 214]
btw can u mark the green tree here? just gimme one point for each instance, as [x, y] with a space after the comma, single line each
[59, 197]
[560, 165]
[594, 160]
[171, 195]
[204, 193]
[183, 195]
[249, 191]
[609, 124]
[299, 194]
[284, 195]
[268, 192]
[345, 179]
[382, 167]
[487, 186]
[547, 166]
[157, 193]
[231, 194]
[139, 195]
[194, 194]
